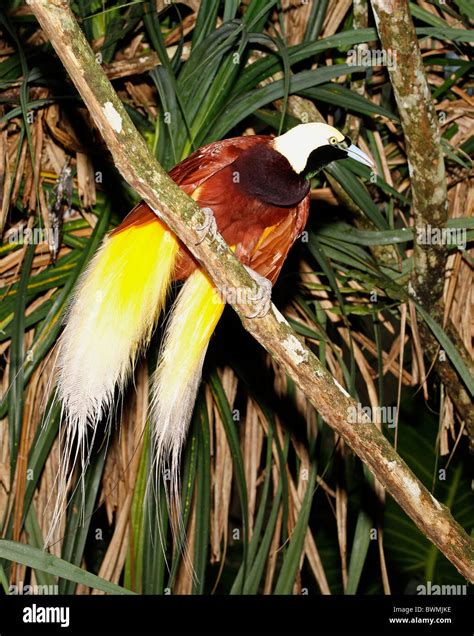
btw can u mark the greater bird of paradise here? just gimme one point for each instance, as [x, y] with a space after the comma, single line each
[258, 189]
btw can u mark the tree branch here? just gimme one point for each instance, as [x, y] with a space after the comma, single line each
[182, 215]
[423, 144]
[428, 183]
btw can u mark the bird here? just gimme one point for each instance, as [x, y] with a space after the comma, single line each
[257, 190]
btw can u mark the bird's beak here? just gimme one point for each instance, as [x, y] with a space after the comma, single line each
[356, 153]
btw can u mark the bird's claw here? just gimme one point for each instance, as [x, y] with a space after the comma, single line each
[208, 227]
[262, 297]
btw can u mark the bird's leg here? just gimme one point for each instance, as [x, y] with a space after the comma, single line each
[208, 227]
[262, 297]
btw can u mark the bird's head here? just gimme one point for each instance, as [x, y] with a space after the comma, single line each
[310, 147]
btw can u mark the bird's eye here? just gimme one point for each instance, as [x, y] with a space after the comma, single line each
[333, 141]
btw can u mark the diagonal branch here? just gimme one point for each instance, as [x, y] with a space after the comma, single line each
[273, 332]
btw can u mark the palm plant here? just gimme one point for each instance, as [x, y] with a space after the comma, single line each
[272, 502]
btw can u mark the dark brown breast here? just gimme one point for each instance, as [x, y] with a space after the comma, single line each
[265, 174]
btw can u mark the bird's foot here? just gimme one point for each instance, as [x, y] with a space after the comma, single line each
[262, 298]
[208, 227]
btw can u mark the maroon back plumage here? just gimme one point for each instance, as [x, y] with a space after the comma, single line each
[261, 232]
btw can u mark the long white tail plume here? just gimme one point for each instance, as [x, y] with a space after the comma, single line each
[175, 383]
[115, 307]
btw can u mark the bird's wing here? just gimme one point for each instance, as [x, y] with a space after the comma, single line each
[275, 242]
[192, 172]
[262, 234]
[211, 159]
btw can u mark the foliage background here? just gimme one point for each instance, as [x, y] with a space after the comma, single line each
[273, 502]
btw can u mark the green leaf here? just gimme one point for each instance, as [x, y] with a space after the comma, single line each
[79, 516]
[316, 20]
[205, 21]
[222, 403]
[253, 580]
[188, 485]
[230, 9]
[360, 547]
[447, 34]
[293, 553]
[155, 529]
[41, 448]
[134, 562]
[465, 7]
[257, 13]
[203, 500]
[254, 577]
[269, 65]
[17, 361]
[342, 171]
[426, 16]
[449, 347]
[39, 560]
[338, 95]
[35, 538]
[246, 104]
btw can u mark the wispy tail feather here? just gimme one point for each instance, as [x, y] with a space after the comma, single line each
[114, 310]
[175, 383]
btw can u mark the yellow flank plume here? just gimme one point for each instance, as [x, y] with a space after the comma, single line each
[194, 317]
[116, 305]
